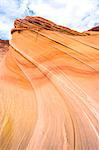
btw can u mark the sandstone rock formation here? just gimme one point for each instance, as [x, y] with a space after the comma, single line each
[4, 44]
[49, 88]
[95, 28]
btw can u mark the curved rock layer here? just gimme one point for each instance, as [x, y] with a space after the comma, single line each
[49, 88]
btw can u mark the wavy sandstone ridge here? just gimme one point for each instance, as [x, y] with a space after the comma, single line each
[49, 88]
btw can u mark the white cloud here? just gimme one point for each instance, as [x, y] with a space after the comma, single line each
[76, 14]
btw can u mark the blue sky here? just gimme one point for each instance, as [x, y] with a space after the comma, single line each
[79, 15]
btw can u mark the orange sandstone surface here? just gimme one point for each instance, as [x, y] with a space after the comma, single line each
[49, 88]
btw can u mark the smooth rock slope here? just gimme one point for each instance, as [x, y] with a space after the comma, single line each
[49, 88]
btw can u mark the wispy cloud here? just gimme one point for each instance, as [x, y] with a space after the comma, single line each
[76, 14]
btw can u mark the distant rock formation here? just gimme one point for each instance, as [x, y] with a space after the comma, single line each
[49, 88]
[95, 29]
[4, 44]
